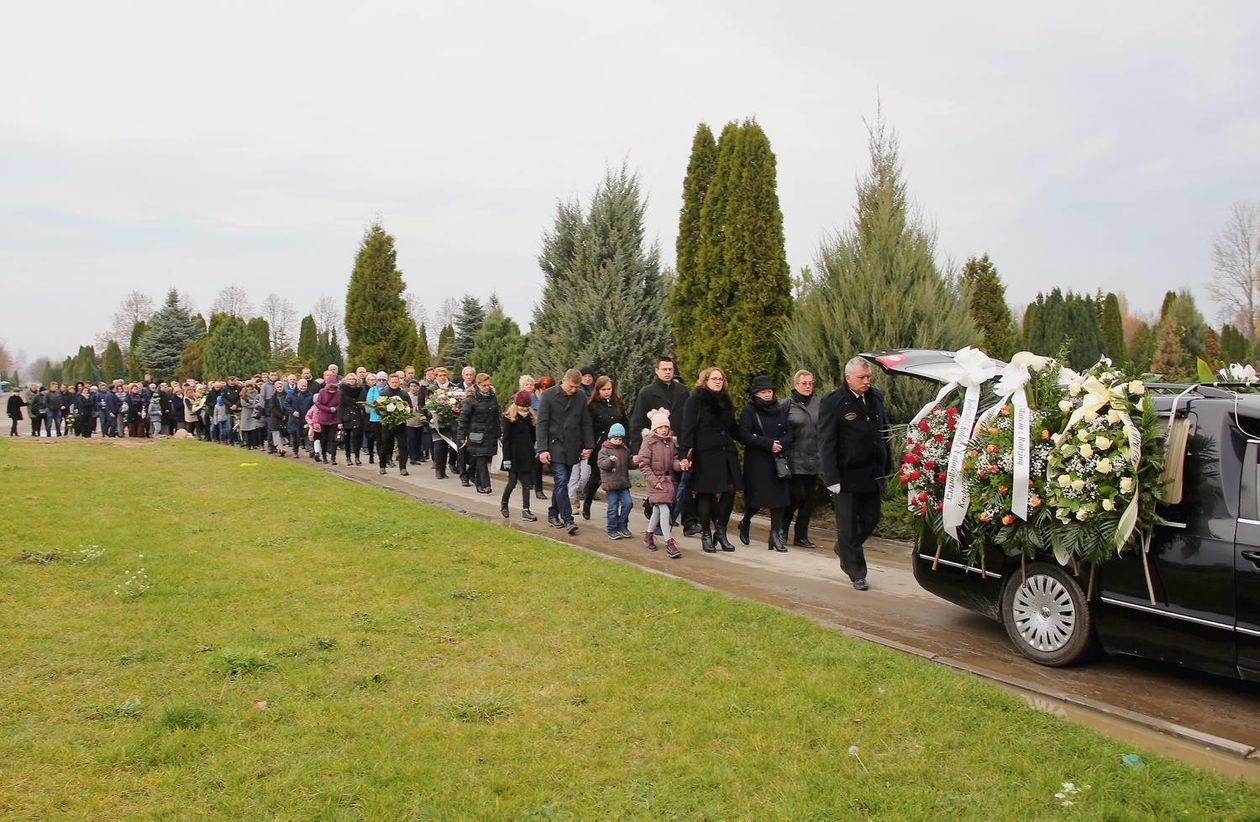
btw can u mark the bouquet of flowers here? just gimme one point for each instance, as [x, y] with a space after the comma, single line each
[392, 410]
[446, 407]
[72, 419]
[925, 460]
[1102, 478]
[198, 405]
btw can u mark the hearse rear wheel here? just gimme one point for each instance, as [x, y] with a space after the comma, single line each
[1047, 616]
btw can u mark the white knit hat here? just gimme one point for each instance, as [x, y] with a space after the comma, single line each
[658, 417]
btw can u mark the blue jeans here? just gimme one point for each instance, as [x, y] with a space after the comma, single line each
[52, 422]
[560, 506]
[222, 431]
[619, 503]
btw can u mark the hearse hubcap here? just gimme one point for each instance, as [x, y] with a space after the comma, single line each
[1043, 612]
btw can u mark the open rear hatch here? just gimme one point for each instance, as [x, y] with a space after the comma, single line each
[924, 363]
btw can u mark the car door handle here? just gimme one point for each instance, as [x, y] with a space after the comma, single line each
[1253, 557]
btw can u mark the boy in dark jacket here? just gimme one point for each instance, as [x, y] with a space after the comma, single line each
[614, 466]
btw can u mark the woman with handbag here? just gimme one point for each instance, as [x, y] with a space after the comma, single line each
[764, 430]
[479, 430]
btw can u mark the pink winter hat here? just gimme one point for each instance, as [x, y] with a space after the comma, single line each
[658, 417]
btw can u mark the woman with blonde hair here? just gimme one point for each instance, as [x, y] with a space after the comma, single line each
[706, 441]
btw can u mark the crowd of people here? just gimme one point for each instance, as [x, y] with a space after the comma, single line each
[683, 441]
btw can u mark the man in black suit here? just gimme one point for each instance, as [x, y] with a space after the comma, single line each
[856, 460]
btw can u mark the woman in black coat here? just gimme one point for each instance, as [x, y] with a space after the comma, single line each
[519, 431]
[353, 417]
[707, 442]
[764, 430]
[479, 430]
[605, 409]
[84, 409]
[15, 406]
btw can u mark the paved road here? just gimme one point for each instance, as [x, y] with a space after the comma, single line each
[1218, 717]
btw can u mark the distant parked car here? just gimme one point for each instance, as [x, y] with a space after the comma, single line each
[1204, 564]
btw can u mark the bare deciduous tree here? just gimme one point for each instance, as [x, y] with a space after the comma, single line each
[327, 314]
[418, 312]
[1236, 260]
[135, 307]
[233, 300]
[6, 360]
[446, 313]
[280, 316]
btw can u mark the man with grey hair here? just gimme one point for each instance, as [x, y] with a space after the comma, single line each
[856, 460]
[564, 436]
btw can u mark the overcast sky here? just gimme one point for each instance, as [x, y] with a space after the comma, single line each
[149, 145]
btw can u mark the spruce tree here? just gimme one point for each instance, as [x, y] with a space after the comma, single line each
[468, 322]
[687, 290]
[260, 328]
[308, 342]
[378, 328]
[877, 286]
[446, 338]
[170, 331]
[112, 365]
[988, 307]
[1170, 358]
[604, 298]
[1234, 347]
[233, 350]
[1112, 327]
[501, 351]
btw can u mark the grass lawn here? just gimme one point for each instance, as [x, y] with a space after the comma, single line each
[308, 647]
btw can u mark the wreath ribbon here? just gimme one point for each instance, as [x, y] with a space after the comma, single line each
[1011, 387]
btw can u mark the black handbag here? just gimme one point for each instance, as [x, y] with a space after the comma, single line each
[781, 468]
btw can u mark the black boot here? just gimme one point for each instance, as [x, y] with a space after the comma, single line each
[528, 516]
[356, 460]
[743, 529]
[586, 509]
[463, 480]
[334, 458]
[706, 542]
[719, 536]
[382, 469]
[371, 459]
[503, 510]
[776, 541]
[538, 494]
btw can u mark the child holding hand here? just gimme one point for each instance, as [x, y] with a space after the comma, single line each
[614, 466]
[658, 460]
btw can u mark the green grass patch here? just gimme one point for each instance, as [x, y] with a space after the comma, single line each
[308, 647]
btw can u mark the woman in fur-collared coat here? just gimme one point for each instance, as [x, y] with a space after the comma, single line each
[706, 443]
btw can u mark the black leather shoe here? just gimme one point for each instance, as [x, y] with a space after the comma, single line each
[804, 543]
[860, 584]
[538, 494]
[403, 472]
[528, 516]
[464, 482]
[357, 462]
[503, 511]
[743, 530]
[382, 469]
[706, 543]
[692, 529]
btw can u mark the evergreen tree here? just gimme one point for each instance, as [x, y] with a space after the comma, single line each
[378, 327]
[493, 307]
[419, 354]
[1169, 298]
[112, 365]
[1112, 328]
[135, 370]
[686, 293]
[1182, 312]
[1170, 359]
[328, 351]
[501, 351]
[604, 298]
[446, 339]
[877, 286]
[198, 324]
[1141, 348]
[170, 331]
[192, 360]
[233, 350]
[308, 343]
[260, 328]
[1030, 327]
[1086, 346]
[1212, 350]
[1234, 347]
[988, 307]
[216, 318]
[468, 322]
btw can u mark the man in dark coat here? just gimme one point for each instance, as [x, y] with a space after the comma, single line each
[564, 436]
[664, 392]
[856, 460]
[393, 437]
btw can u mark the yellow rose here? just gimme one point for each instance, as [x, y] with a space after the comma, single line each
[1102, 443]
[1086, 451]
[1114, 417]
[1103, 467]
[1082, 515]
[1078, 485]
[1126, 485]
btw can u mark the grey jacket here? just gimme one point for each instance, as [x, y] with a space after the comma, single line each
[564, 426]
[803, 420]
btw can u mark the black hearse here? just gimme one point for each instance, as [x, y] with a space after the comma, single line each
[1204, 564]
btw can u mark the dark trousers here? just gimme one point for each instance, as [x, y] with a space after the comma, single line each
[592, 482]
[714, 510]
[392, 439]
[372, 437]
[426, 443]
[857, 514]
[479, 469]
[36, 422]
[526, 478]
[414, 451]
[801, 488]
[13, 431]
[352, 439]
[439, 456]
[328, 440]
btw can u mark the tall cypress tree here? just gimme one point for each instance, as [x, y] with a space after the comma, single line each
[233, 350]
[308, 342]
[1141, 348]
[260, 328]
[687, 293]
[1112, 327]
[446, 338]
[1081, 315]
[1169, 358]
[604, 302]
[988, 307]
[877, 285]
[468, 322]
[112, 365]
[379, 330]
[170, 330]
